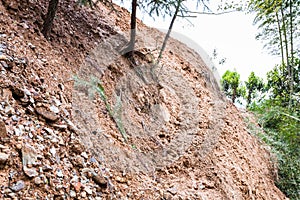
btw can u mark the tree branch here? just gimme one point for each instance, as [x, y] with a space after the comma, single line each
[211, 13]
[183, 16]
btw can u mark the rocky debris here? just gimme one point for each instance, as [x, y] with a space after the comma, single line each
[100, 180]
[38, 180]
[46, 114]
[50, 153]
[51, 156]
[17, 93]
[3, 131]
[41, 155]
[29, 155]
[3, 158]
[3, 57]
[20, 185]
[30, 172]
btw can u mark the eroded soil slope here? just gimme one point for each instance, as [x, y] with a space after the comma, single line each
[78, 121]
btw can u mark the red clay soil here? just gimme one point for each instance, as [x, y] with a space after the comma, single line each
[79, 121]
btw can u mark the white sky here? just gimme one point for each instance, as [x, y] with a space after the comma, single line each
[233, 35]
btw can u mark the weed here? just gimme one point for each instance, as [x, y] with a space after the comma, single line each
[94, 85]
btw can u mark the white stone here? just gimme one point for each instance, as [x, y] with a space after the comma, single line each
[3, 157]
[72, 193]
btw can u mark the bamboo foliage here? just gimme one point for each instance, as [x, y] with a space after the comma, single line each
[278, 21]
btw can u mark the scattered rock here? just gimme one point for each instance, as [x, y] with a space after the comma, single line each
[54, 109]
[85, 155]
[19, 146]
[172, 190]
[6, 191]
[17, 93]
[83, 194]
[3, 131]
[18, 186]
[38, 180]
[57, 103]
[71, 125]
[29, 155]
[15, 118]
[30, 109]
[100, 180]
[31, 46]
[79, 161]
[167, 196]
[36, 87]
[60, 126]
[27, 92]
[9, 110]
[47, 168]
[3, 158]
[88, 190]
[3, 147]
[121, 179]
[59, 173]
[3, 57]
[4, 64]
[201, 186]
[48, 115]
[30, 172]
[6, 95]
[12, 195]
[72, 193]
[77, 147]
[18, 130]
[53, 151]
[77, 186]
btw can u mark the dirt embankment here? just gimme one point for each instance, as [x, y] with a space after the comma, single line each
[157, 132]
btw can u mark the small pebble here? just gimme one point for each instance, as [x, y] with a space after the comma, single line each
[3, 158]
[88, 190]
[38, 180]
[83, 194]
[84, 154]
[72, 193]
[53, 151]
[54, 109]
[18, 186]
[31, 172]
[59, 173]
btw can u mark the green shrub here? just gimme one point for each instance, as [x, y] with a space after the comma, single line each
[282, 132]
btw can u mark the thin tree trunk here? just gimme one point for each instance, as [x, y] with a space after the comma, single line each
[169, 32]
[285, 39]
[280, 38]
[52, 7]
[234, 94]
[291, 32]
[286, 52]
[132, 26]
[291, 53]
[249, 97]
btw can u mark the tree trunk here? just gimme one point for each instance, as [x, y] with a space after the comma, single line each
[234, 95]
[285, 38]
[280, 38]
[286, 52]
[132, 26]
[249, 96]
[291, 53]
[52, 7]
[291, 32]
[169, 31]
